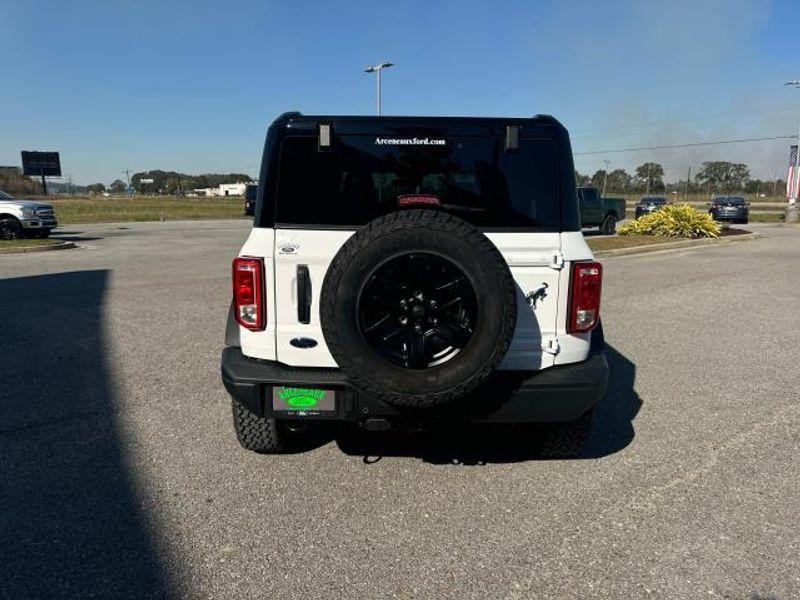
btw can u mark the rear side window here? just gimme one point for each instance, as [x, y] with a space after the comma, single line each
[363, 177]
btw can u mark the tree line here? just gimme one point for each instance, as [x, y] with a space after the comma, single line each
[174, 183]
[171, 183]
[164, 182]
[714, 177]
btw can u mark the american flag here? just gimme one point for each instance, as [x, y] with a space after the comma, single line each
[793, 178]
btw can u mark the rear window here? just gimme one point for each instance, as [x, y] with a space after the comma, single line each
[732, 200]
[363, 177]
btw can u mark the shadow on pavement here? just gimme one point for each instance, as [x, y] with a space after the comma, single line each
[70, 519]
[74, 236]
[612, 430]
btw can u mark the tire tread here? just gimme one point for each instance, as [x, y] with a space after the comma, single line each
[255, 433]
[566, 440]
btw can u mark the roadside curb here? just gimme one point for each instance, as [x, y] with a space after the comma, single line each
[679, 245]
[47, 248]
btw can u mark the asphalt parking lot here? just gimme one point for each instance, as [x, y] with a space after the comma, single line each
[120, 474]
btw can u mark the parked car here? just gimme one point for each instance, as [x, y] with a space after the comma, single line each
[600, 212]
[403, 271]
[24, 218]
[650, 204]
[250, 192]
[734, 209]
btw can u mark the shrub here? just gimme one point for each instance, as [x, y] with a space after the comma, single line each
[674, 220]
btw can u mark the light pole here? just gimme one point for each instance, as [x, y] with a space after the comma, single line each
[605, 177]
[791, 209]
[377, 70]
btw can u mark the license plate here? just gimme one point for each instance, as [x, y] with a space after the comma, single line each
[303, 400]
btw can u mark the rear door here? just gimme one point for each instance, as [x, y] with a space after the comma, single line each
[532, 251]
[324, 196]
[309, 231]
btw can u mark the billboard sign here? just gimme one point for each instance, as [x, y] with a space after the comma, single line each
[47, 164]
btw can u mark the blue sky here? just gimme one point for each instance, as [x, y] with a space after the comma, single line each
[192, 86]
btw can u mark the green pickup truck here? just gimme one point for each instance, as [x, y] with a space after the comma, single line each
[600, 212]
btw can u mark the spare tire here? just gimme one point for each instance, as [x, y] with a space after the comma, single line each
[418, 308]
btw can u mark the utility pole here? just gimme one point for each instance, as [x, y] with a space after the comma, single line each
[649, 166]
[377, 70]
[688, 179]
[792, 210]
[127, 173]
[605, 177]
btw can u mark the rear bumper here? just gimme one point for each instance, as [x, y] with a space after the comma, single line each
[556, 394]
[739, 215]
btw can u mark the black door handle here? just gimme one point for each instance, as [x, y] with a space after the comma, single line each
[303, 294]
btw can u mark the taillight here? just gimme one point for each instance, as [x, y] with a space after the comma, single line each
[587, 281]
[418, 200]
[248, 292]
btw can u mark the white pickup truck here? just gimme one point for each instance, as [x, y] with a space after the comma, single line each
[25, 218]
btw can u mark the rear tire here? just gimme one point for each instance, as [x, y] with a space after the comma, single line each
[10, 229]
[255, 433]
[566, 440]
[609, 225]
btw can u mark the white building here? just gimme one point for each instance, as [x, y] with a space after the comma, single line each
[224, 189]
[232, 189]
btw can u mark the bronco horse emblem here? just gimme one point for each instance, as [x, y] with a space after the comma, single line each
[537, 295]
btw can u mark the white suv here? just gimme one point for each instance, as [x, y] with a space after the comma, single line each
[404, 270]
[19, 218]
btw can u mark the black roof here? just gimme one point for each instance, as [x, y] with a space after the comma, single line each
[390, 123]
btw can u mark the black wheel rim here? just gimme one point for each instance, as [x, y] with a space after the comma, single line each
[8, 230]
[417, 310]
